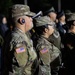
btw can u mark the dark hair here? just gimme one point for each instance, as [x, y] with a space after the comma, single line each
[41, 29]
[60, 14]
[70, 23]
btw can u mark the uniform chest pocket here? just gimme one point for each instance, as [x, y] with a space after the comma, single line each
[32, 53]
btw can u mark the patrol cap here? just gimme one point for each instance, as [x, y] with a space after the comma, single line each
[71, 17]
[43, 20]
[60, 14]
[68, 12]
[20, 10]
[51, 9]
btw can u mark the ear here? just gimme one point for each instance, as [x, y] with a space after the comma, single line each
[20, 21]
[46, 30]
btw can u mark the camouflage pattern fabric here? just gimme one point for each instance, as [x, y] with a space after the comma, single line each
[71, 17]
[55, 39]
[47, 53]
[44, 56]
[20, 10]
[21, 54]
[41, 21]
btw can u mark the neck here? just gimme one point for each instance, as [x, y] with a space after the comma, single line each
[73, 31]
[22, 28]
[62, 21]
[51, 19]
[45, 35]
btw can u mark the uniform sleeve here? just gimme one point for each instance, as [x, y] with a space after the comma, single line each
[20, 53]
[55, 53]
[44, 54]
[46, 59]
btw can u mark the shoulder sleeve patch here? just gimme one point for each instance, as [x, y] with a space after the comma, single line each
[20, 50]
[44, 50]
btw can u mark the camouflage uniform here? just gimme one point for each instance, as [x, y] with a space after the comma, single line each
[55, 39]
[19, 55]
[47, 51]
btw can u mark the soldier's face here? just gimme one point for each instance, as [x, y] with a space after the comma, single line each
[52, 16]
[51, 30]
[28, 23]
[63, 18]
[4, 21]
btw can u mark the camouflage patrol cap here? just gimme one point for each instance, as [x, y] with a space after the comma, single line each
[41, 21]
[71, 17]
[68, 12]
[20, 10]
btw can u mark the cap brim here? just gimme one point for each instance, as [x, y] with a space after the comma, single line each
[31, 14]
[69, 13]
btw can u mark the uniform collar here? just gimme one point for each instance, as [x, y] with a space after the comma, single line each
[19, 30]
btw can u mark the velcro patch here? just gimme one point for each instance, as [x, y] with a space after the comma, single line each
[20, 50]
[44, 50]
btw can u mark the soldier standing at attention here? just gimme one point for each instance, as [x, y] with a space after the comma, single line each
[19, 55]
[44, 29]
[55, 39]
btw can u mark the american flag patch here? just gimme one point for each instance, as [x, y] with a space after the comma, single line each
[44, 50]
[20, 50]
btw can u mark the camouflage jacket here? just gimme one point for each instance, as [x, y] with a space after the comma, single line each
[55, 39]
[47, 52]
[21, 55]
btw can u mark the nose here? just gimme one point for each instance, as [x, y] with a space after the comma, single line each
[31, 19]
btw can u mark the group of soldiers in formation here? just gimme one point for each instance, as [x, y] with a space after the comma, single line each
[39, 45]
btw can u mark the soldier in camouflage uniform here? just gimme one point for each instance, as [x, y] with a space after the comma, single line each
[45, 49]
[19, 55]
[55, 38]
